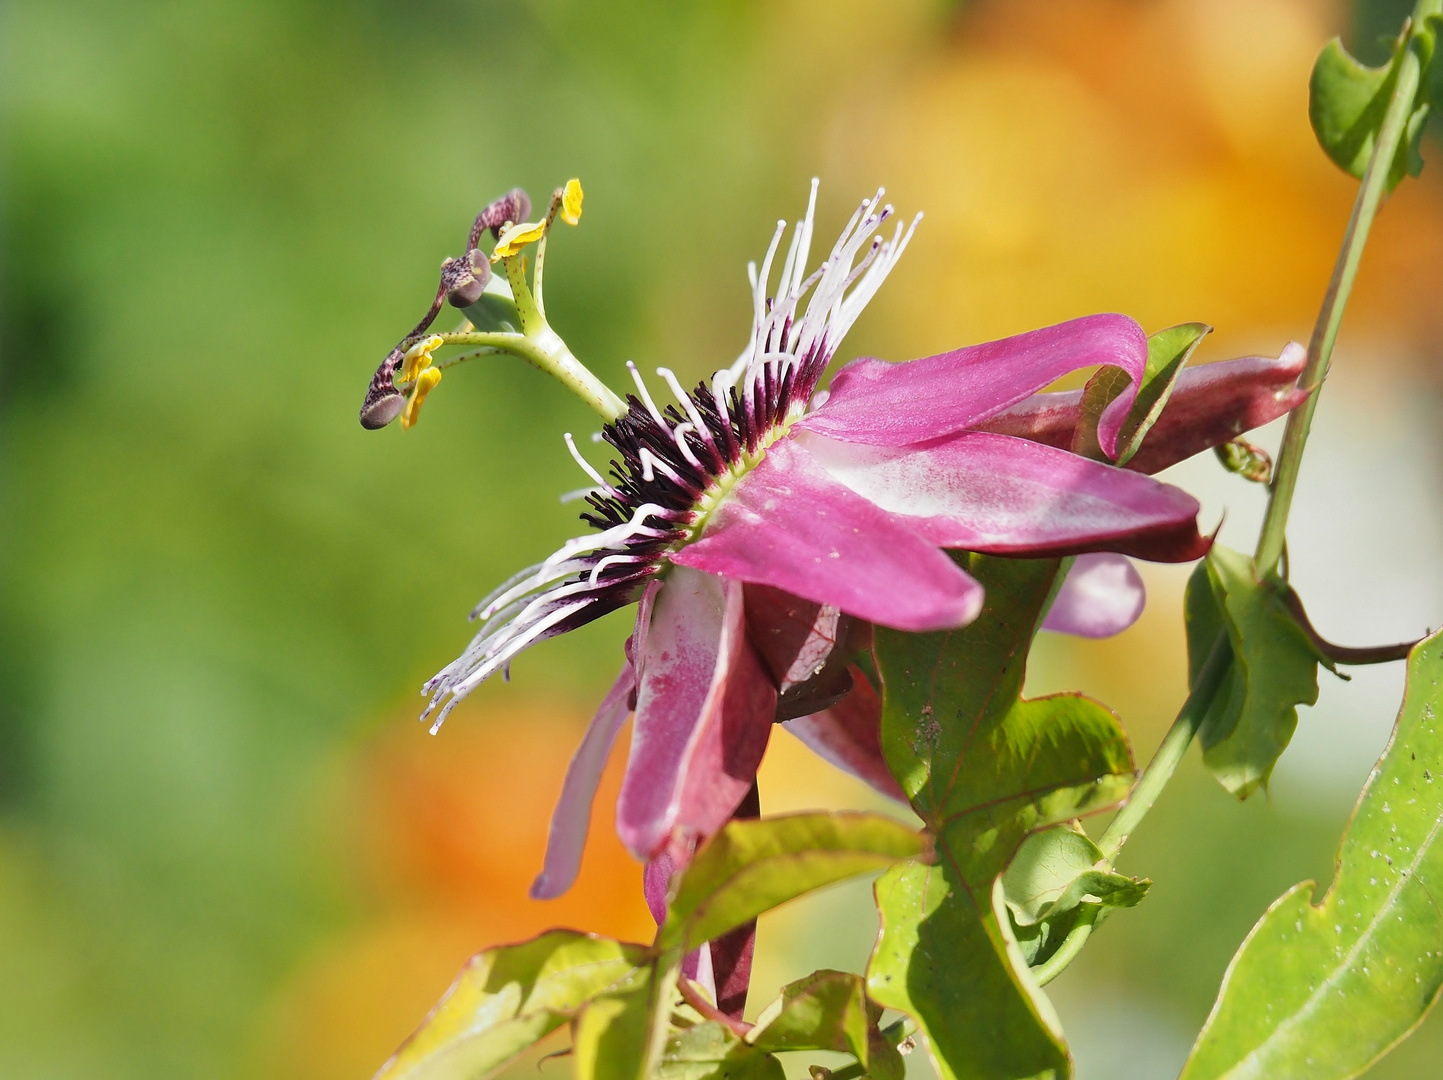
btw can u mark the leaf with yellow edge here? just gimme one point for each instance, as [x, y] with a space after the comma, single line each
[508, 998]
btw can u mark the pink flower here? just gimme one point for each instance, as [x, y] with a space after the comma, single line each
[758, 523]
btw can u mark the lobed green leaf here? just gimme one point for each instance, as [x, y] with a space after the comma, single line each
[1059, 868]
[1322, 991]
[750, 867]
[508, 998]
[1274, 668]
[829, 1010]
[1348, 100]
[712, 1051]
[982, 768]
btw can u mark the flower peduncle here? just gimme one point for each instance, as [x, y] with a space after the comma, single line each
[520, 329]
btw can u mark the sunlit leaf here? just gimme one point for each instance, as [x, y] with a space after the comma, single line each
[982, 768]
[1059, 868]
[753, 866]
[1167, 351]
[712, 1051]
[829, 1010]
[1347, 102]
[507, 998]
[1274, 668]
[611, 1039]
[1323, 991]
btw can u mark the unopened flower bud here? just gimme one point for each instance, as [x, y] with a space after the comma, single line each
[465, 278]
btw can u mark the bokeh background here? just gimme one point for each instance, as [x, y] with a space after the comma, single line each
[226, 848]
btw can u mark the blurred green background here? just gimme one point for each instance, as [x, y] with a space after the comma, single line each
[226, 849]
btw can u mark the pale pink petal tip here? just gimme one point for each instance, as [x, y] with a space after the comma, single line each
[1103, 595]
[572, 817]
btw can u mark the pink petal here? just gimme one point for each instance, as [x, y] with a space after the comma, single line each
[871, 401]
[1103, 595]
[849, 735]
[788, 524]
[703, 715]
[1004, 496]
[1217, 402]
[1210, 404]
[731, 954]
[572, 817]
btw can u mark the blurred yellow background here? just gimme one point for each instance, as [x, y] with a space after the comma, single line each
[226, 848]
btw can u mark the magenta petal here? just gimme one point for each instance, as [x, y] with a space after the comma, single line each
[1210, 404]
[883, 404]
[703, 715]
[572, 816]
[1103, 595]
[1004, 496]
[1217, 402]
[788, 524]
[849, 736]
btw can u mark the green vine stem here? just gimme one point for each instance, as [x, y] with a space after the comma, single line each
[1325, 331]
[1170, 754]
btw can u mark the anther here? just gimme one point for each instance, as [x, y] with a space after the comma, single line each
[465, 278]
[383, 401]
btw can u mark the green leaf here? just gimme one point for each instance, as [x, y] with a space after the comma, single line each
[1167, 351]
[712, 1051]
[753, 866]
[982, 768]
[1274, 669]
[508, 998]
[1324, 991]
[1059, 868]
[1347, 102]
[611, 1038]
[829, 1010]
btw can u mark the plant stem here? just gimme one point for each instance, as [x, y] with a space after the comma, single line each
[542, 348]
[1325, 331]
[1170, 754]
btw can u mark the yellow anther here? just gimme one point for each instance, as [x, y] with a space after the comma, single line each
[517, 237]
[571, 202]
[425, 381]
[418, 358]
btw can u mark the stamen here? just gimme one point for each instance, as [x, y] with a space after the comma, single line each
[697, 423]
[650, 462]
[679, 434]
[646, 398]
[585, 466]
